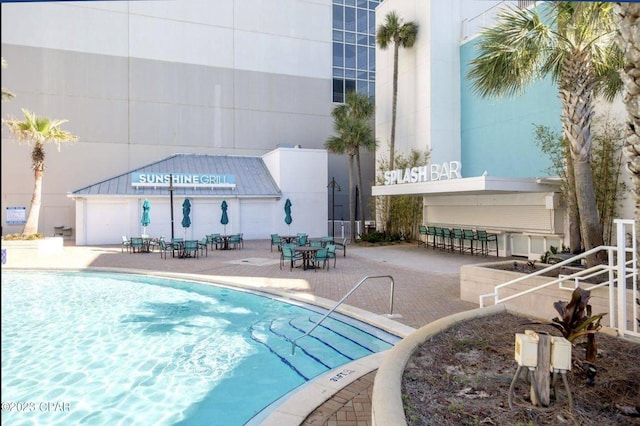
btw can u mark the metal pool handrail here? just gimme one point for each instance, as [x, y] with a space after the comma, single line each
[293, 342]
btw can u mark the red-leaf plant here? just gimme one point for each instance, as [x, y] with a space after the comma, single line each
[576, 322]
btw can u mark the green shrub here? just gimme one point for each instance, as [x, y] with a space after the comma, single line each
[372, 237]
[553, 250]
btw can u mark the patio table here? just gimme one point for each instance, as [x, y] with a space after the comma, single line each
[307, 254]
[288, 238]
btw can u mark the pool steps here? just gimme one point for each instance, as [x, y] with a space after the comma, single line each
[335, 342]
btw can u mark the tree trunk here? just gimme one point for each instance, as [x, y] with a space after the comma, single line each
[589, 221]
[575, 237]
[394, 108]
[360, 197]
[628, 16]
[352, 200]
[31, 227]
[576, 91]
[392, 140]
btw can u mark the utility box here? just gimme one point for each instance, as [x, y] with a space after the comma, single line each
[560, 353]
[370, 226]
[526, 350]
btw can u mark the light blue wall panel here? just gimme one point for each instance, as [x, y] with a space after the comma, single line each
[498, 135]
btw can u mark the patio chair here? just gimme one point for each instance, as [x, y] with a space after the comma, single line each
[302, 239]
[276, 241]
[292, 246]
[152, 243]
[315, 243]
[468, 235]
[431, 232]
[178, 245]
[165, 248]
[423, 232]
[213, 240]
[447, 239]
[288, 254]
[235, 241]
[342, 245]
[137, 245]
[485, 238]
[327, 240]
[203, 246]
[126, 243]
[331, 254]
[457, 240]
[321, 256]
[439, 238]
[190, 248]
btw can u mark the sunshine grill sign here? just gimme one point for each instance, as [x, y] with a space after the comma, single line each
[183, 180]
[430, 172]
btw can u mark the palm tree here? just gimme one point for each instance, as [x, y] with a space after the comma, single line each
[575, 45]
[401, 35]
[38, 131]
[6, 95]
[352, 124]
[628, 15]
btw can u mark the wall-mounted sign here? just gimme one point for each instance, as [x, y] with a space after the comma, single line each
[431, 172]
[183, 180]
[16, 215]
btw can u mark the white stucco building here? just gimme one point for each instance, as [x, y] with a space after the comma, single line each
[501, 183]
[139, 81]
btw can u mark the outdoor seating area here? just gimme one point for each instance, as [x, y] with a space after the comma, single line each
[475, 242]
[301, 250]
[311, 253]
[139, 244]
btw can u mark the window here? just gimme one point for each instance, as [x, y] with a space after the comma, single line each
[338, 17]
[338, 55]
[349, 19]
[362, 21]
[354, 46]
[349, 56]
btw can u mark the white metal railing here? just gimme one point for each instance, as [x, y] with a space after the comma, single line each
[472, 26]
[621, 267]
[362, 281]
[341, 229]
[476, 23]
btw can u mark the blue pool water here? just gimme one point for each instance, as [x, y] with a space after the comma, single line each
[122, 349]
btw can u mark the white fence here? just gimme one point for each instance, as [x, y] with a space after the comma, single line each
[341, 229]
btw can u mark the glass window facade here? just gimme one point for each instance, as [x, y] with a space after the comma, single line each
[354, 47]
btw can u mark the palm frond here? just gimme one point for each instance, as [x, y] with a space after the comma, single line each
[39, 130]
[396, 31]
[512, 53]
[408, 34]
[385, 33]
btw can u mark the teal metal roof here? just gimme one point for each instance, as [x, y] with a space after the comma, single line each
[252, 178]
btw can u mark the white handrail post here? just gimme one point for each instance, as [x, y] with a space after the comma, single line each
[622, 276]
[612, 289]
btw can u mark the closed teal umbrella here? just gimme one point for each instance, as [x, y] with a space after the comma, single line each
[287, 214]
[145, 220]
[186, 211]
[224, 219]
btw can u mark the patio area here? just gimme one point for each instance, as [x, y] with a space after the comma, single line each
[426, 288]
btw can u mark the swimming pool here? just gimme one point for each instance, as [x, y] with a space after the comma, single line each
[111, 348]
